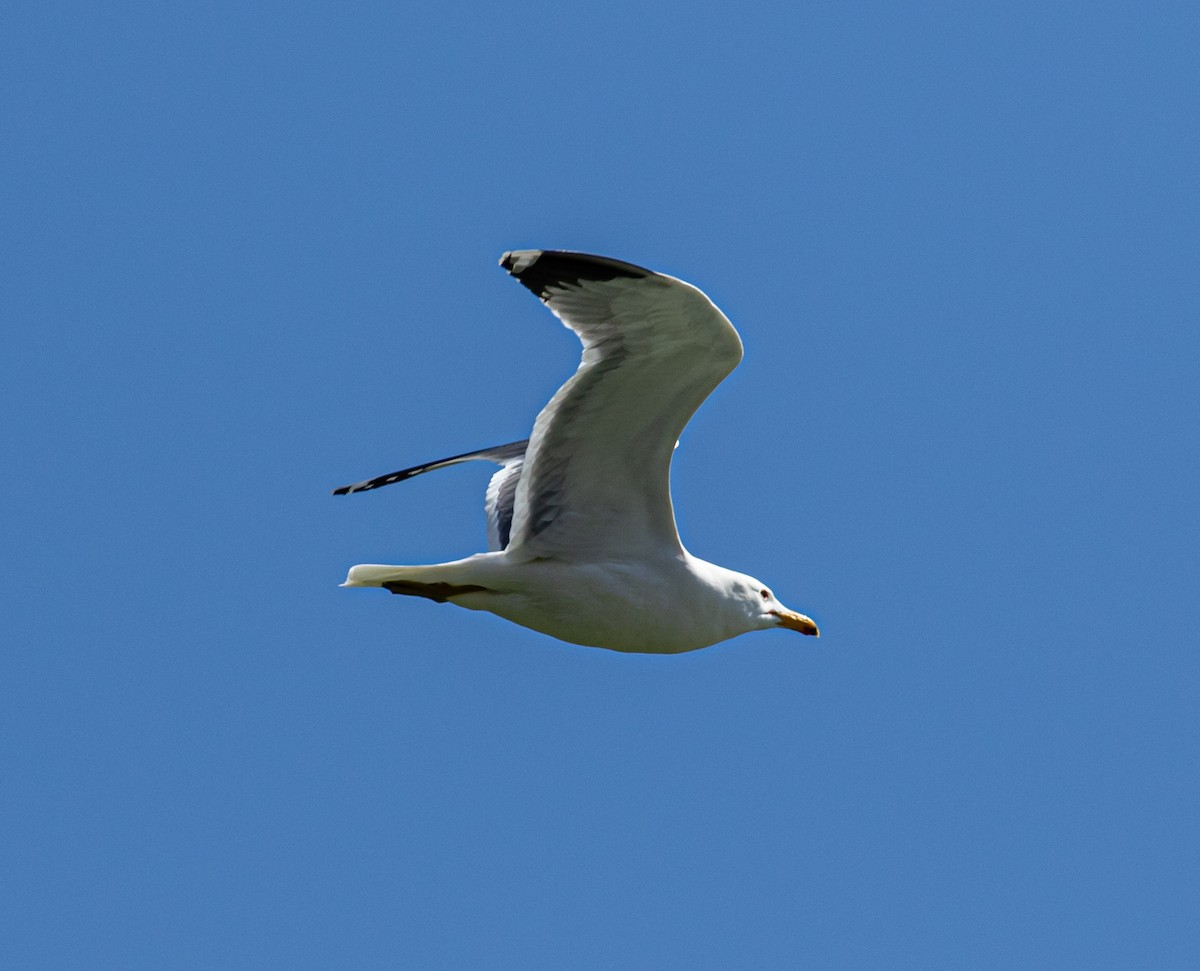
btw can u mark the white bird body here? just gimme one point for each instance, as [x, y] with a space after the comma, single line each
[667, 606]
[580, 525]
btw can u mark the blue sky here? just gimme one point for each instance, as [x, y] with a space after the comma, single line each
[250, 256]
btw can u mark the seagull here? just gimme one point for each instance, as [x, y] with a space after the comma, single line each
[582, 543]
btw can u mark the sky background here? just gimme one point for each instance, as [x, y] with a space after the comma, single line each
[250, 255]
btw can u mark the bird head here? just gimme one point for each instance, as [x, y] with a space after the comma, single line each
[764, 610]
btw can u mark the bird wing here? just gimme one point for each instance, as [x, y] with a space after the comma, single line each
[596, 477]
[501, 489]
[501, 494]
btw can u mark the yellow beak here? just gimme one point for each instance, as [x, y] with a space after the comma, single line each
[798, 622]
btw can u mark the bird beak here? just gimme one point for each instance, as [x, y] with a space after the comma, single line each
[798, 622]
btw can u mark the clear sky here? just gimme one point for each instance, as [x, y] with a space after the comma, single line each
[249, 254]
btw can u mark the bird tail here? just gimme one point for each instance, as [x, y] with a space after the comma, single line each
[376, 575]
[435, 581]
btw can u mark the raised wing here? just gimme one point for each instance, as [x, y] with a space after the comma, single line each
[596, 476]
[501, 490]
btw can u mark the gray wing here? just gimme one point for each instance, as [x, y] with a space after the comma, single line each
[501, 490]
[501, 494]
[596, 476]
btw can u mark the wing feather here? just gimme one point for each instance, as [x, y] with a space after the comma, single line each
[501, 494]
[501, 491]
[596, 476]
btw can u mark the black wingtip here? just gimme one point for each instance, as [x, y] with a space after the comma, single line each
[342, 491]
[541, 269]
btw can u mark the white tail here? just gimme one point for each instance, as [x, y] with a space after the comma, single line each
[376, 575]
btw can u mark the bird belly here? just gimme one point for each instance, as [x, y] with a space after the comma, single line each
[598, 607]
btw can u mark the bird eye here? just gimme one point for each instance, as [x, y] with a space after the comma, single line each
[766, 594]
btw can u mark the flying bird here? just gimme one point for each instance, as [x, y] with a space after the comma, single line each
[581, 532]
